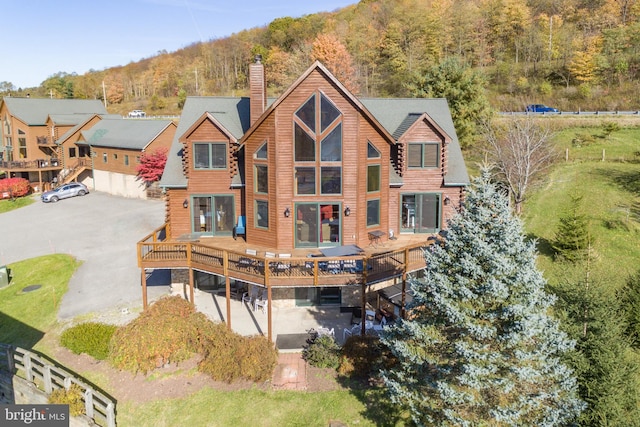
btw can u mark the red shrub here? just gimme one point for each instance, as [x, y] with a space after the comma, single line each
[17, 187]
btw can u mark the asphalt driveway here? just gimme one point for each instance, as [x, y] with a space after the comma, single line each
[100, 230]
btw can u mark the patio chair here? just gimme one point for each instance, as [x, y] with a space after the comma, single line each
[334, 267]
[260, 304]
[246, 298]
[356, 315]
[326, 331]
[237, 290]
[349, 266]
[283, 267]
[346, 333]
[240, 228]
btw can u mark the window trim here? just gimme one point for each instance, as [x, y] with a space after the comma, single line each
[377, 224]
[255, 216]
[379, 183]
[256, 187]
[210, 145]
[422, 154]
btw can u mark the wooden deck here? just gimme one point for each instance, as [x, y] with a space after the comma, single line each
[228, 257]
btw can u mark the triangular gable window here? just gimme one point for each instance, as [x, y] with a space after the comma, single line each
[372, 152]
[328, 113]
[261, 153]
[307, 113]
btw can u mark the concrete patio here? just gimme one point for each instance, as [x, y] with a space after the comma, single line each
[286, 321]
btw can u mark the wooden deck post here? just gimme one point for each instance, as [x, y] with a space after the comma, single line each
[404, 284]
[269, 319]
[363, 314]
[227, 285]
[191, 284]
[268, 285]
[143, 278]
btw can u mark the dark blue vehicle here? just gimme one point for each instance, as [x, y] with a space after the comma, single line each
[540, 108]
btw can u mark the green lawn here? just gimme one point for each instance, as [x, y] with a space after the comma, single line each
[26, 316]
[610, 193]
[7, 205]
[260, 408]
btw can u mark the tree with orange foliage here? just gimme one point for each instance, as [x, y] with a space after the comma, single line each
[327, 49]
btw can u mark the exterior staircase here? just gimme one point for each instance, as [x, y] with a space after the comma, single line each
[72, 173]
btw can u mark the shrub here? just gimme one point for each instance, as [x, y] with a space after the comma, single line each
[322, 352]
[17, 187]
[171, 330]
[229, 356]
[71, 397]
[91, 338]
[582, 140]
[167, 332]
[608, 128]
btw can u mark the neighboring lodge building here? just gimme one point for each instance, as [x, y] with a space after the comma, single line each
[49, 141]
[331, 196]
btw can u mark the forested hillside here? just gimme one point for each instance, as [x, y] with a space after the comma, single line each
[572, 54]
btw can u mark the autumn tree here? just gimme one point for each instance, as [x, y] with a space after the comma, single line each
[152, 165]
[479, 345]
[327, 49]
[520, 148]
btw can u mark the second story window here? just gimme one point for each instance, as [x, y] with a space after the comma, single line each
[318, 147]
[423, 155]
[261, 170]
[210, 155]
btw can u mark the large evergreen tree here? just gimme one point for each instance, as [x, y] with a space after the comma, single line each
[479, 345]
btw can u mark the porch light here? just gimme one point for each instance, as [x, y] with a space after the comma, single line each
[347, 211]
[447, 201]
[185, 204]
[287, 213]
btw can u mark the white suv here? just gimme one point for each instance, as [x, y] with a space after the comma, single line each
[137, 114]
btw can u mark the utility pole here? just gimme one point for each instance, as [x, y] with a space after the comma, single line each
[104, 95]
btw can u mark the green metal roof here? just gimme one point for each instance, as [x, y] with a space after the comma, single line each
[122, 133]
[396, 115]
[34, 111]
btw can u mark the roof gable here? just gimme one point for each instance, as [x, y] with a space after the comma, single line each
[317, 66]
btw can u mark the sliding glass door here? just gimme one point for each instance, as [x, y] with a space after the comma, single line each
[420, 213]
[318, 224]
[212, 215]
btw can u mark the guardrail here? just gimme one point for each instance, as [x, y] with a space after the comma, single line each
[572, 113]
[47, 376]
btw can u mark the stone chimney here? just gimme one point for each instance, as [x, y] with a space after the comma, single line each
[257, 89]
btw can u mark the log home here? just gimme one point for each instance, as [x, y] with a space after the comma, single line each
[29, 130]
[316, 197]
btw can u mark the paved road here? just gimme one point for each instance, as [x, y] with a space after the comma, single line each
[100, 230]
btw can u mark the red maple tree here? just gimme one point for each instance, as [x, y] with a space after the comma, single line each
[152, 165]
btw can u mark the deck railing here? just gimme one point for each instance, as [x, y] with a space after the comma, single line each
[153, 252]
[46, 163]
[47, 376]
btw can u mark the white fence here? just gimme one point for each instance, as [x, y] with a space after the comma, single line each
[48, 377]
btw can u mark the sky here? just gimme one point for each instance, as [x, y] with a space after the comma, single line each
[45, 37]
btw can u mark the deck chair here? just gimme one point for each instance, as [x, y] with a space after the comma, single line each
[240, 228]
